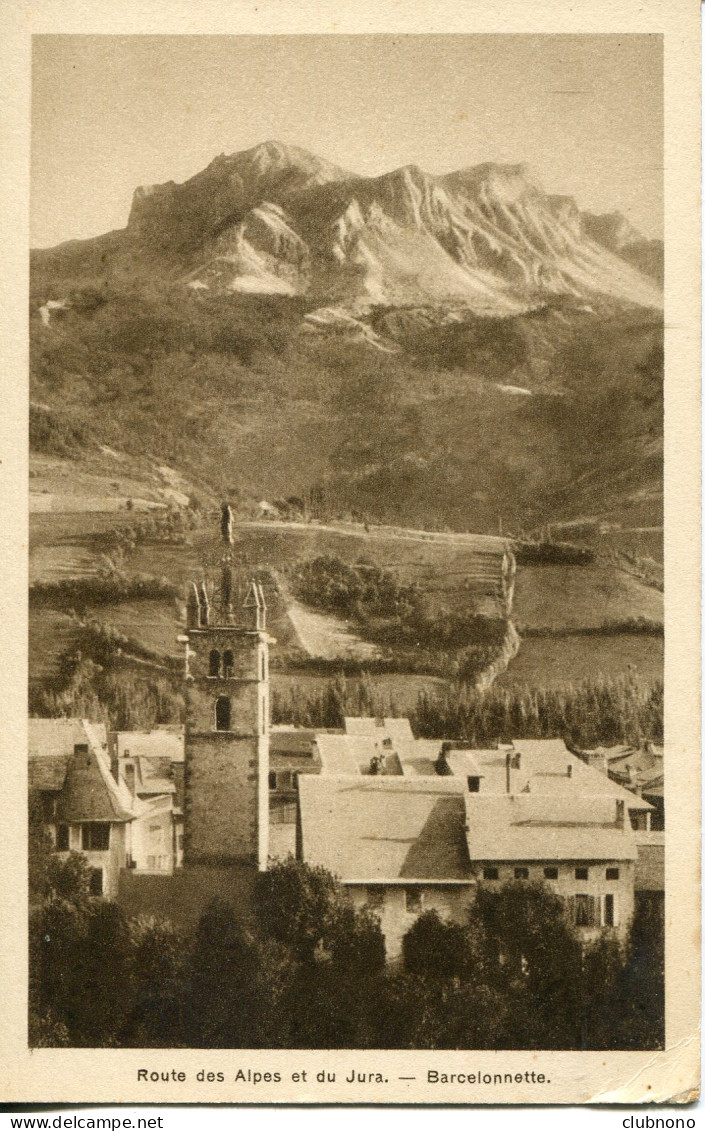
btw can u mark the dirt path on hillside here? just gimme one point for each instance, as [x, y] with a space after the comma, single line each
[483, 543]
[327, 637]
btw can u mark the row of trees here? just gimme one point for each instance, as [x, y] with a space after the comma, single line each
[308, 971]
[595, 712]
[592, 713]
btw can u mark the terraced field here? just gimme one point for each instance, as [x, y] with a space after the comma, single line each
[459, 572]
[557, 661]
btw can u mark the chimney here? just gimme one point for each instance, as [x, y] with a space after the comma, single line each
[621, 811]
[569, 770]
[443, 768]
[129, 772]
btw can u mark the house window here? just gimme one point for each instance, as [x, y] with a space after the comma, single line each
[95, 883]
[222, 713]
[521, 873]
[95, 837]
[581, 873]
[473, 785]
[228, 665]
[612, 873]
[284, 780]
[584, 910]
[282, 813]
[48, 807]
[412, 899]
[272, 780]
[610, 911]
[550, 873]
[62, 838]
[375, 898]
[490, 873]
[214, 664]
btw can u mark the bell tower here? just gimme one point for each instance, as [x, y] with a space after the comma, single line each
[226, 799]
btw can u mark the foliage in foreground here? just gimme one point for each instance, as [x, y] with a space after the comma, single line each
[308, 971]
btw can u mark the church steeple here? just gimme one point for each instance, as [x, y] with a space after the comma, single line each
[227, 728]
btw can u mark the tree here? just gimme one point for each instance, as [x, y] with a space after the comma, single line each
[299, 905]
[157, 979]
[434, 949]
[233, 988]
[68, 878]
[534, 960]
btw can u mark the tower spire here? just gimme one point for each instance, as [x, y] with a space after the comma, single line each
[226, 582]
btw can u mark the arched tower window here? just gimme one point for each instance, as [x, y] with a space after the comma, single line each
[228, 665]
[214, 663]
[222, 713]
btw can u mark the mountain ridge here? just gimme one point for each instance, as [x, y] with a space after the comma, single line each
[278, 219]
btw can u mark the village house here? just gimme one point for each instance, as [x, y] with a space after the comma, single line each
[171, 817]
[117, 805]
[413, 825]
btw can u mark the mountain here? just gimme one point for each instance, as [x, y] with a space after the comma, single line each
[276, 219]
[615, 233]
[457, 350]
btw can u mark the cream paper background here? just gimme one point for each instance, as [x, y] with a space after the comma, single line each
[110, 1076]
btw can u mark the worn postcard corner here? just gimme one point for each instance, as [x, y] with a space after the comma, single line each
[351, 426]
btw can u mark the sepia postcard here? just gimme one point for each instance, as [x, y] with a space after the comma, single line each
[351, 533]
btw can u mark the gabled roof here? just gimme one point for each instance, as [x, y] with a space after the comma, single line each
[353, 754]
[162, 742]
[51, 745]
[48, 737]
[378, 727]
[526, 826]
[546, 766]
[153, 776]
[384, 829]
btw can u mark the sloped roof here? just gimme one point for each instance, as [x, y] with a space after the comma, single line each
[154, 775]
[50, 737]
[339, 753]
[91, 793]
[526, 826]
[353, 754]
[47, 773]
[51, 745]
[162, 742]
[384, 829]
[543, 767]
[378, 727]
[639, 769]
